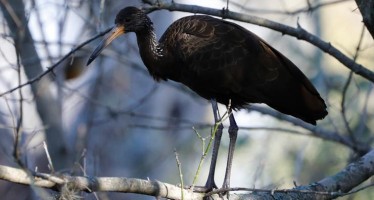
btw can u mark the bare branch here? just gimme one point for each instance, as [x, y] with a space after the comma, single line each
[179, 165]
[315, 130]
[309, 8]
[18, 132]
[328, 188]
[52, 67]
[103, 184]
[345, 89]
[350, 177]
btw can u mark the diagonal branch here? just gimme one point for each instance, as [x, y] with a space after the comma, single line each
[350, 177]
[52, 67]
[316, 131]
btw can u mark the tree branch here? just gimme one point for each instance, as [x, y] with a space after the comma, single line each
[92, 184]
[316, 131]
[328, 188]
[353, 175]
[53, 67]
[309, 8]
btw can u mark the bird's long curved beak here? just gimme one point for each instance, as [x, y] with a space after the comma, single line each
[116, 31]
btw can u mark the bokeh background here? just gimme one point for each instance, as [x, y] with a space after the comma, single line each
[113, 119]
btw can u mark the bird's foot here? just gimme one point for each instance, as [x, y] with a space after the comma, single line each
[210, 185]
[203, 189]
[225, 188]
[223, 193]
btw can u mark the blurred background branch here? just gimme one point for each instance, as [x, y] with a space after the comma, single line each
[15, 16]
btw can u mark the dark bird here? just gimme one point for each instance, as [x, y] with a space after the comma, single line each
[223, 62]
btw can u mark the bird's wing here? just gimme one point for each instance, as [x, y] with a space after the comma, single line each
[207, 45]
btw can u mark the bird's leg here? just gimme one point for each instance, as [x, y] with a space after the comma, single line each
[210, 184]
[233, 133]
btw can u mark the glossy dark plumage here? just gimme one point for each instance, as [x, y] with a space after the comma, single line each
[222, 60]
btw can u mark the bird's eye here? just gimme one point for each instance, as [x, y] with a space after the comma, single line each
[127, 20]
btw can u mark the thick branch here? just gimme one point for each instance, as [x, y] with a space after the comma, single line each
[353, 175]
[367, 11]
[327, 188]
[93, 184]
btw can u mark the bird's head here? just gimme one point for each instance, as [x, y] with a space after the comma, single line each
[132, 19]
[129, 19]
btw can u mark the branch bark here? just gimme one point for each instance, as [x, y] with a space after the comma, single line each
[94, 184]
[328, 188]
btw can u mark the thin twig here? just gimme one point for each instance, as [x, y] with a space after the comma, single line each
[205, 152]
[342, 104]
[50, 164]
[308, 8]
[316, 131]
[179, 165]
[345, 89]
[51, 68]
[17, 145]
[202, 139]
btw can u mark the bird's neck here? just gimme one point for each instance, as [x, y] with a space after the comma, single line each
[148, 43]
[151, 51]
